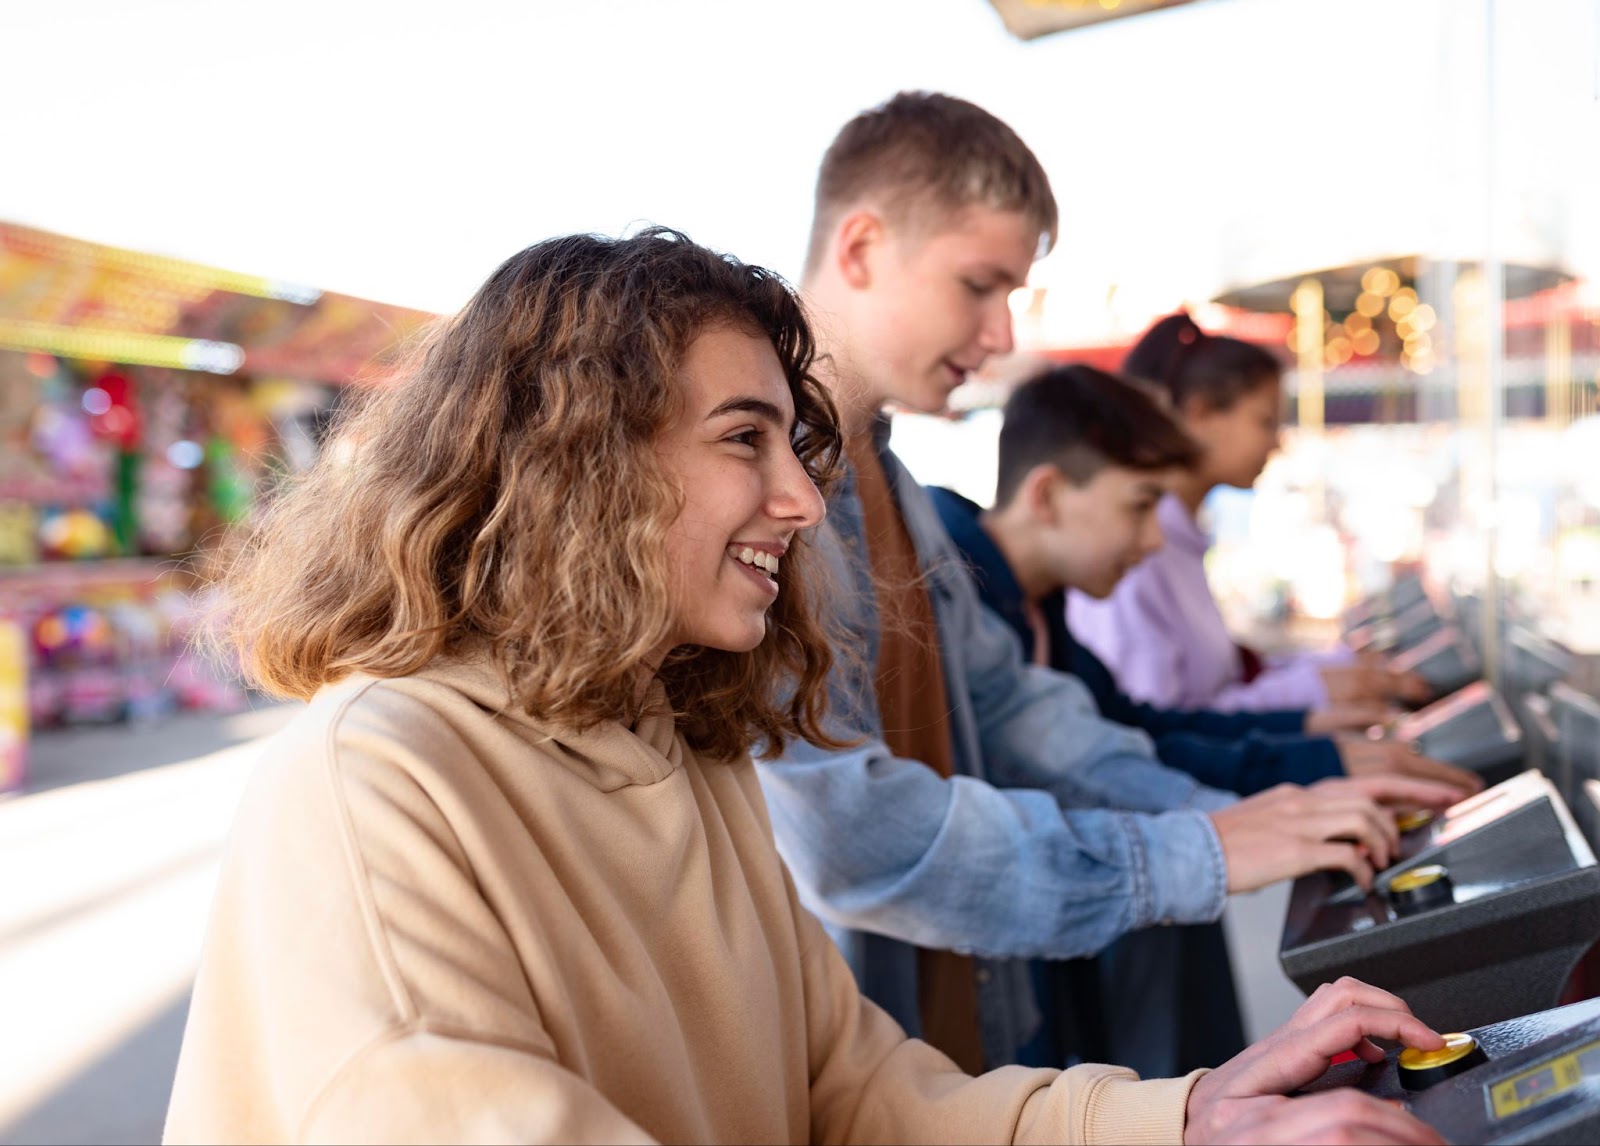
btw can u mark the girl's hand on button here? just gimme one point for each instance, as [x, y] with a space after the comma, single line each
[1244, 1100]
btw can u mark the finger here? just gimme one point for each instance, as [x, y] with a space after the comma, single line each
[1339, 1131]
[1335, 857]
[1337, 791]
[1343, 1118]
[1388, 789]
[1427, 768]
[1296, 1056]
[1274, 796]
[1350, 1116]
[1413, 685]
[1364, 827]
[1343, 993]
[1336, 1117]
[1383, 820]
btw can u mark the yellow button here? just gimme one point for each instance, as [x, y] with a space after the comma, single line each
[1417, 877]
[1456, 1046]
[1411, 821]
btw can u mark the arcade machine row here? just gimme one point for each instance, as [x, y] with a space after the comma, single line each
[1481, 919]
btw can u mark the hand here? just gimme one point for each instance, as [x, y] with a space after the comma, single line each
[1412, 689]
[1346, 717]
[1351, 684]
[1243, 1100]
[1334, 825]
[1404, 793]
[1363, 756]
[1288, 831]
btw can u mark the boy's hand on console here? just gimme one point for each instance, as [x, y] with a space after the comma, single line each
[1363, 756]
[1356, 717]
[1352, 684]
[1396, 793]
[1341, 824]
[1288, 831]
[1411, 688]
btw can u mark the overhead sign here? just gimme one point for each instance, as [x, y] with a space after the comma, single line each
[1030, 19]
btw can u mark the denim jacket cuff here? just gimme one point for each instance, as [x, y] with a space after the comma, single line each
[1185, 875]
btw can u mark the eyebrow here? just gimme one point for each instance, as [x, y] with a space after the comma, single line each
[1001, 275]
[746, 404]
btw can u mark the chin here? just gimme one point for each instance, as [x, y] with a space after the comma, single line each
[927, 399]
[739, 642]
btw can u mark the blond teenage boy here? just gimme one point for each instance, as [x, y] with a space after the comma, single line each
[986, 814]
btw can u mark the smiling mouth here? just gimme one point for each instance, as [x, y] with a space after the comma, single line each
[758, 559]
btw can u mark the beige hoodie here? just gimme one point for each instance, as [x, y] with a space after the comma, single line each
[441, 922]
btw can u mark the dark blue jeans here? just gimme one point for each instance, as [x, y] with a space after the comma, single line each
[1161, 1001]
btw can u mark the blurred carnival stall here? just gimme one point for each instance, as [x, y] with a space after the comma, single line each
[144, 403]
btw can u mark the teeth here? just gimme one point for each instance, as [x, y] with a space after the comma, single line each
[764, 561]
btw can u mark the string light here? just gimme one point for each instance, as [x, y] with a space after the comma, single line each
[1383, 296]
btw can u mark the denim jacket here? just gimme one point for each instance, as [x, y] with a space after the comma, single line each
[1059, 831]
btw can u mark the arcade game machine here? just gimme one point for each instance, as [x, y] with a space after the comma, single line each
[1482, 918]
[1534, 1079]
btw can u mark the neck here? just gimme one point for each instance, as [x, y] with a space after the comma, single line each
[857, 400]
[1010, 535]
[1191, 489]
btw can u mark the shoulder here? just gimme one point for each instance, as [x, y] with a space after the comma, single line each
[414, 745]
[409, 720]
[362, 752]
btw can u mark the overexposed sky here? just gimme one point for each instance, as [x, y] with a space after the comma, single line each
[400, 150]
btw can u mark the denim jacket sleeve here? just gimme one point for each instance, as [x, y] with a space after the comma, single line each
[1018, 855]
[1039, 728]
[882, 844]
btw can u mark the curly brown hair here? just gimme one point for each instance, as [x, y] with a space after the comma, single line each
[500, 496]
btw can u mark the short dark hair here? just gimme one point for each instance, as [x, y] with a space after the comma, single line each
[923, 155]
[1082, 420]
[1188, 363]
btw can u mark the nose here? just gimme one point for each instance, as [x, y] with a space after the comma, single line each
[996, 336]
[793, 497]
[1153, 539]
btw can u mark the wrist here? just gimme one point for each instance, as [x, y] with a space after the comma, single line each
[1196, 1129]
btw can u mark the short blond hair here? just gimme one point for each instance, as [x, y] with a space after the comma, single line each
[921, 157]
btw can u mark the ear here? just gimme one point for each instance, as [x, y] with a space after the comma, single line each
[856, 243]
[1037, 492]
[1195, 409]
